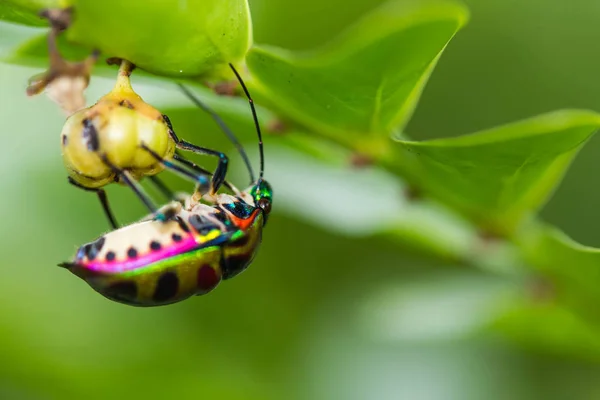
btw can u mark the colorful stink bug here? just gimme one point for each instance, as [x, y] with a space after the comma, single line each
[153, 263]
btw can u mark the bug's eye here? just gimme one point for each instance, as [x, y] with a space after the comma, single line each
[265, 205]
[239, 209]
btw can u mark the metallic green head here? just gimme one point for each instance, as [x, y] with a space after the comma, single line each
[262, 194]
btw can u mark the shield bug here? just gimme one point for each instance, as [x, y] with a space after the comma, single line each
[153, 263]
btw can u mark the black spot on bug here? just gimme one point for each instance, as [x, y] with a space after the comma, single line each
[110, 256]
[91, 250]
[222, 263]
[99, 244]
[90, 135]
[124, 291]
[166, 287]
[176, 238]
[154, 245]
[132, 252]
[126, 103]
[233, 265]
[65, 140]
[169, 214]
[87, 250]
[184, 227]
[241, 242]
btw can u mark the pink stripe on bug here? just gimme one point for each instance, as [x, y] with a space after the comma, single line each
[143, 260]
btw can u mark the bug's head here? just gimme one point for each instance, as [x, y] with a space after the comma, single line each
[262, 194]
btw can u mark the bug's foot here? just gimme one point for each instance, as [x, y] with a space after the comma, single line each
[210, 198]
[165, 216]
[168, 212]
[64, 81]
[202, 190]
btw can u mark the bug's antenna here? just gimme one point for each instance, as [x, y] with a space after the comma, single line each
[260, 142]
[230, 135]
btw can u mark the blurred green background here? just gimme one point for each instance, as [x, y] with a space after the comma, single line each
[326, 311]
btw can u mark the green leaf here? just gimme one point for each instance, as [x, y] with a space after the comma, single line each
[32, 48]
[551, 329]
[11, 38]
[369, 79]
[181, 39]
[499, 176]
[570, 270]
[25, 12]
[384, 209]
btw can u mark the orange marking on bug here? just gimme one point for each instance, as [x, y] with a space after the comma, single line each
[243, 224]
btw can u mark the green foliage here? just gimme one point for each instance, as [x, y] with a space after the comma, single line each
[502, 175]
[366, 82]
[25, 11]
[570, 269]
[463, 201]
[196, 38]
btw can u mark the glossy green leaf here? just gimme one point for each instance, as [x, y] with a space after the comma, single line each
[179, 39]
[499, 176]
[369, 79]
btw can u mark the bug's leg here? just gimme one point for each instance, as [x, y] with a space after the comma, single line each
[169, 212]
[201, 180]
[219, 121]
[126, 178]
[201, 170]
[103, 200]
[221, 171]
